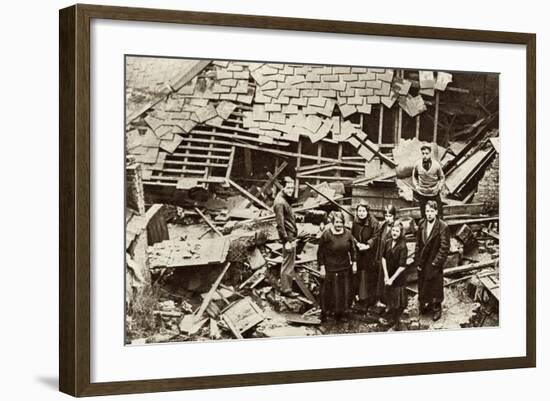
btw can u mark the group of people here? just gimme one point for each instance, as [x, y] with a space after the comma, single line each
[367, 264]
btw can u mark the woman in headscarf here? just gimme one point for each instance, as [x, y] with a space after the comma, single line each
[394, 262]
[336, 259]
[390, 215]
[365, 231]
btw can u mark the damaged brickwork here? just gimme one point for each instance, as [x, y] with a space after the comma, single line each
[488, 188]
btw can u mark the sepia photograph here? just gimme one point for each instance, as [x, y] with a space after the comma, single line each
[270, 199]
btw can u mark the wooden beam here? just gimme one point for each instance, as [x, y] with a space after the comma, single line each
[248, 163]
[448, 210]
[260, 149]
[436, 117]
[210, 294]
[319, 155]
[380, 124]
[330, 200]
[271, 180]
[298, 165]
[207, 221]
[231, 160]
[247, 194]
[383, 157]
[325, 178]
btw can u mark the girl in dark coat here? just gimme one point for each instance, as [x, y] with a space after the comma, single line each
[336, 259]
[384, 233]
[394, 261]
[365, 231]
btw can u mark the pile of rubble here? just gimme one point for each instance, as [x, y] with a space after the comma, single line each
[219, 277]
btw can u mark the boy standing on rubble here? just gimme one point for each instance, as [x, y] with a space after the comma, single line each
[428, 180]
[432, 248]
[288, 232]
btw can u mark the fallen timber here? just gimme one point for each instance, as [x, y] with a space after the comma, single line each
[413, 276]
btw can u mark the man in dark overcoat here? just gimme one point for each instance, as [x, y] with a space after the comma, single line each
[432, 248]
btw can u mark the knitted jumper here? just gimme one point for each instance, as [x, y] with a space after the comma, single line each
[428, 180]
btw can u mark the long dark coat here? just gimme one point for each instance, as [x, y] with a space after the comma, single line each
[366, 232]
[430, 255]
[384, 234]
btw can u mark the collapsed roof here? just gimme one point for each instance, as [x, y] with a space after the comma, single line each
[185, 135]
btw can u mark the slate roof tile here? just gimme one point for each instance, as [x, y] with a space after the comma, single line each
[304, 85]
[235, 67]
[224, 109]
[321, 85]
[290, 109]
[386, 76]
[347, 110]
[241, 88]
[356, 100]
[277, 118]
[322, 70]
[223, 74]
[245, 74]
[220, 89]
[282, 100]
[296, 79]
[373, 99]
[365, 109]
[293, 92]
[330, 78]
[273, 107]
[299, 101]
[228, 96]
[341, 70]
[327, 93]
[357, 84]
[269, 86]
[206, 113]
[317, 101]
[376, 84]
[274, 93]
[311, 77]
[349, 77]
[310, 92]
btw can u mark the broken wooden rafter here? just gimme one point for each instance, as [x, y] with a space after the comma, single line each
[207, 221]
[332, 201]
[261, 149]
[247, 194]
[383, 157]
[210, 294]
[271, 179]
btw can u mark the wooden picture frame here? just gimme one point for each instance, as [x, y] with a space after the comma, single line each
[75, 200]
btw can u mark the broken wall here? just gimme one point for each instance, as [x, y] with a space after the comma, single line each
[135, 197]
[488, 188]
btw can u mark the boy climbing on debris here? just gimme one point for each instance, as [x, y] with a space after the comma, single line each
[288, 233]
[428, 180]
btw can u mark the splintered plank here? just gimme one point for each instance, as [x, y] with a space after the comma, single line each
[207, 221]
[210, 294]
[303, 287]
[247, 194]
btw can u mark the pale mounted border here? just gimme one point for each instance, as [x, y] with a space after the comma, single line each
[74, 199]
